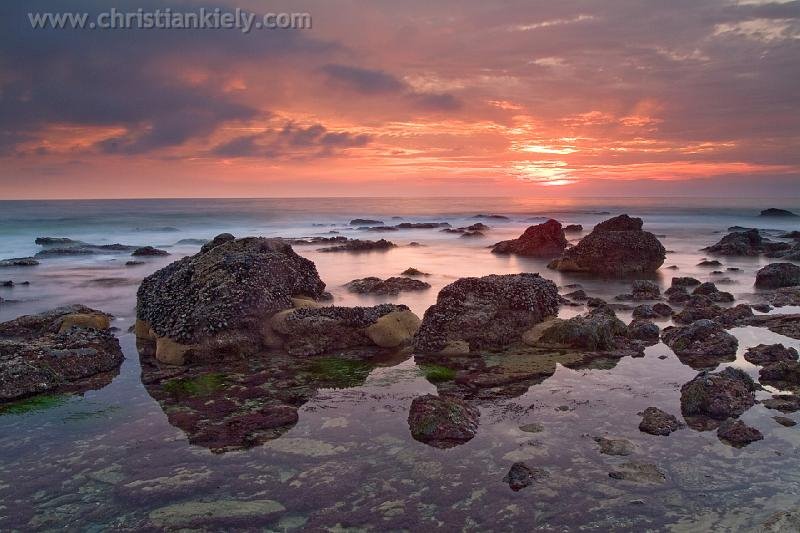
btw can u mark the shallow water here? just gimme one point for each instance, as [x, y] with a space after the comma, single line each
[110, 458]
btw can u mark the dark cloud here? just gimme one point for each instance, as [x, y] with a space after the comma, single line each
[292, 142]
[364, 80]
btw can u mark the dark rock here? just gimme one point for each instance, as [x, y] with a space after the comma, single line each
[58, 350]
[615, 247]
[315, 240]
[492, 217]
[773, 212]
[318, 330]
[643, 330]
[378, 229]
[685, 282]
[521, 475]
[411, 271]
[719, 396]
[422, 225]
[573, 228]
[645, 290]
[644, 473]
[788, 325]
[390, 286]
[543, 240]
[781, 375]
[783, 296]
[699, 341]
[778, 275]
[745, 243]
[225, 293]
[595, 302]
[711, 263]
[192, 242]
[18, 261]
[357, 245]
[442, 422]
[657, 422]
[620, 447]
[149, 251]
[785, 421]
[578, 295]
[219, 240]
[737, 433]
[785, 403]
[764, 354]
[676, 295]
[365, 222]
[472, 234]
[55, 241]
[6, 283]
[598, 330]
[133, 263]
[488, 312]
[762, 308]
[711, 291]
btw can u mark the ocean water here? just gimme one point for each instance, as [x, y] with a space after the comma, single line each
[111, 458]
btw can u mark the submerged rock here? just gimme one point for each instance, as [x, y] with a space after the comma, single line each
[778, 275]
[615, 446]
[18, 261]
[785, 421]
[148, 251]
[719, 396]
[442, 422]
[657, 422]
[617, 246]
[357, 245]
[737, 433]
[764, 354]
[542, 240]
[785, 403]
[55, 350]
[389, 286]
[488, 312]
[644, 473]
[521, 475]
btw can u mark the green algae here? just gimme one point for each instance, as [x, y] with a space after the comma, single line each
[33, 404]
[340, 373]
[437, 373]
[202, 385]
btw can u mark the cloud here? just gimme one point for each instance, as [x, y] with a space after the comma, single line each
[292, 142]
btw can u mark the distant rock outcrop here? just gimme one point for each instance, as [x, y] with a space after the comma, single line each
[542, 240]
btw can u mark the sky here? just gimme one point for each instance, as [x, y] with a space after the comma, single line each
[411, 98]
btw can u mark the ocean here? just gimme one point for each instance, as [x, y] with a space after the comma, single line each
[110, 458]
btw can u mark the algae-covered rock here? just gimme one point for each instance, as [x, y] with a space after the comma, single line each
[721, 395]
[442, 422]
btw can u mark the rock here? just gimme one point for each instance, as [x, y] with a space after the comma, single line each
[645, 290]
[781, 375]
[764, 354]
[133, 263]
[18, 261]
[719, 396]
[472, 234]
[217, 300]
[543, 240]
[533, 427]
[784, 296]
[192, 514]
[773, 212]
[700, 339]
[643, 330]
[366, 222]
[148, 251]
[578, 295]
[711, 291]
[615, 446]
[697, 307]
[685, 282]
[785, 421]
[390, 286]
[219, 240]
[6, 283]
[312, 331]
[573, 228]
[737, 433]
[778, 275]
[170, 352]
[615, 247]
[58, 349]
[745, 243]
[595, 302]
[492, 217]
[314, 240]
[676, 295]
[442, 422]
[788, 325]
[394, 329]
[785, 403]
[521, 475]
[599, 329]
[707, 263]
[422, 225]
[411, 271]
[644, 473]
[657, 422]
[357, 245]
[781, 522]
[55, 241]
[488, 312]
[191, 242]
[762, 308]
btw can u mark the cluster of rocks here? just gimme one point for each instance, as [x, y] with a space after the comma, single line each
[18, 262]
[358, 245]
[473, 230]
[641, 290]
[543, 240]
[62, 246]
[390, 286]
[68, 348]
[616, 247]
[748, 243]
